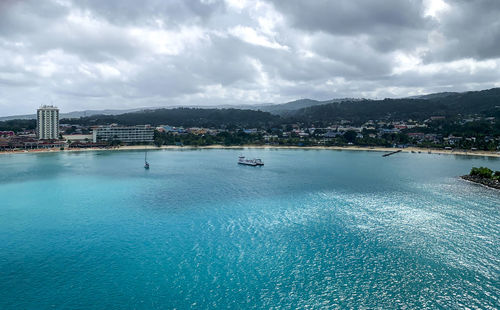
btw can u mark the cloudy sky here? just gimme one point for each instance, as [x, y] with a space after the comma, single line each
[95, 54]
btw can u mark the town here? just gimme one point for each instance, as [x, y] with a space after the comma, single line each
[469, 133]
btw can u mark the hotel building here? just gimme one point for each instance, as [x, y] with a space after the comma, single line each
[47, 123]
[126, 134]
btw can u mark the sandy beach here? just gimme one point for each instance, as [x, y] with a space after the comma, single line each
[338, 148]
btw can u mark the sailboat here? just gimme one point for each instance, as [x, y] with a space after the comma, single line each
[146, 164]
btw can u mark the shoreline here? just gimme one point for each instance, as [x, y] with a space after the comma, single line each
[488, 183]
[336, 148]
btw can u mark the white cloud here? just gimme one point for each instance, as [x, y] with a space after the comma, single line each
[435, 8]
[94, 54]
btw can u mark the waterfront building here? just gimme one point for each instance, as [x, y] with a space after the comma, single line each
[127, 134]
[7, 133]
[47, 123]
[78, 138]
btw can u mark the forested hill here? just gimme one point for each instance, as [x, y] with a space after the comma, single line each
[485, 103]
[285, 109]
[184, 117]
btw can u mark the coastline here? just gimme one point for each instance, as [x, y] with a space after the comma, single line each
[482, 181]
[337, 148]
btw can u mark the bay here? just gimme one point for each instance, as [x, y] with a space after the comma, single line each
[310, 229]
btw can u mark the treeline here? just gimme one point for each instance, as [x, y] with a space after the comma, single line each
[484, 103]
[222, 138]
[453, 106]
[17, 125]
[186, 117]
[477, 128]
[239, 137]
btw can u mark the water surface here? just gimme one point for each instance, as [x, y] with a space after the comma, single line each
[311, 229]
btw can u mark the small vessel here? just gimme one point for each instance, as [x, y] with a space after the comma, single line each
[146, 164]
[250, 162]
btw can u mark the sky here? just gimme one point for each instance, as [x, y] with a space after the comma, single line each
[120, 54]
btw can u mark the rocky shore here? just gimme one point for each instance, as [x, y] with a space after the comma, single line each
[483, 181]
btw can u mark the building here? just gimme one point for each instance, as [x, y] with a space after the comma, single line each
[78, 138]
[47, 123]
[6, 133]
[126, 134]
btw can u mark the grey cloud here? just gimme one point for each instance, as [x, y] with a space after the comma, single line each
[362, 59]
[391, 24]
[146, 12]
[324, 49]
[25, 17]
[353, 17]
[469, 29]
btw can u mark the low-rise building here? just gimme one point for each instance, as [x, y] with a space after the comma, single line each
[78, 138]
[333, 134]
[126, 134]
[6, 133]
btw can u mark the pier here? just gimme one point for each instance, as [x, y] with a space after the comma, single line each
[391, 153]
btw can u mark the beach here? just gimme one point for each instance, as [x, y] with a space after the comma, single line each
[337, 148]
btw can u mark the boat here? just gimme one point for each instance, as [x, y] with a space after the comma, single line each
[146, 164]
[250, 162]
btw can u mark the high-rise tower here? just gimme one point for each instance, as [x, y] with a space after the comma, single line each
[47, 123]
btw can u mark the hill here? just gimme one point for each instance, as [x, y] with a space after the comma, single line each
[280, 109]
[187, 117]
[75, 114]
[485, 103]
[289, 107]
[434, 95]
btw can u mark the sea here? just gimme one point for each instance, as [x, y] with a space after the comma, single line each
[311, 229]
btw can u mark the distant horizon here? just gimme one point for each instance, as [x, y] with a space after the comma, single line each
[235, 105]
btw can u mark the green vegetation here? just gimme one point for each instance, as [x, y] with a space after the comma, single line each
[17, 125]
[223, 138]
[484, 103]
[485, 173]
[186, 117]
[467, 121]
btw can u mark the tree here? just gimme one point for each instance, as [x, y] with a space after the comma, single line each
[158, 141]
[350, 136]
[482, 172]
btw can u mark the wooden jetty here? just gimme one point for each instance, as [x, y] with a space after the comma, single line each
[391, 153]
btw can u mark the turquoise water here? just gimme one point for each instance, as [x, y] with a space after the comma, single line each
[311, 229]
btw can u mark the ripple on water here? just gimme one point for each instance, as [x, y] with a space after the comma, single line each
[197, 232]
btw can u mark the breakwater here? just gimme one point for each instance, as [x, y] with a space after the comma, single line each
[483, 181]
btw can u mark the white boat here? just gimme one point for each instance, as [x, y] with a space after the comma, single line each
[146, 164]
[250, 162]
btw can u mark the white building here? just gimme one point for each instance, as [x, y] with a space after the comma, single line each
[78, 138]
[127, 134]
[47, 123]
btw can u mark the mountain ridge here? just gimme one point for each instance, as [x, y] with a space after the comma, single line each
[282, 109]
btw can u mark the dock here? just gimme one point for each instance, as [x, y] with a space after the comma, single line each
[391, 153]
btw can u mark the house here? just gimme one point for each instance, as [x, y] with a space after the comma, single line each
[333, 134]
[452, 140]
[416, 135]
[6, 133]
